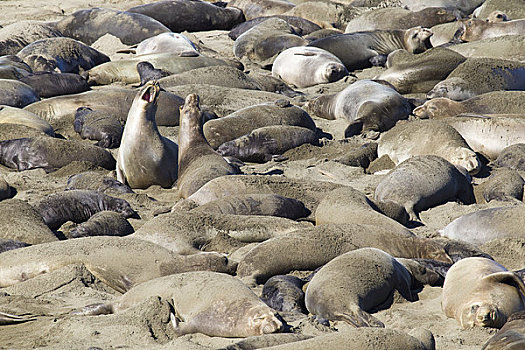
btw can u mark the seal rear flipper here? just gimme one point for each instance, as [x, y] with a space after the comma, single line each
[7, 319]
[507, 277]
[94, 310]
[359, 318]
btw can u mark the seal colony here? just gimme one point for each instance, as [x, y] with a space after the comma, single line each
[272, 183]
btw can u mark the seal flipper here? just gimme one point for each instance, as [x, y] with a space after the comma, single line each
[359, 318]
[7, 319]
[508, 277]
[94, 310]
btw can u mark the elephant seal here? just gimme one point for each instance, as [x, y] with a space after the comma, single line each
[120, 262]
[145, 157]
[512, 8]
[147, 72]
[11, 244]
[412, 73]
[485, 225]
[90, 24]
[369, 106]
[510, 336]
[306, 66]
[14, 93]
[497, 16]
[5, 190]
[284, 293]
[503, 184]
[260, 8]
[191, 16]
[198, 162]
[427, 137]
[422, 182]
[496, 102]
[479, 292]
[12, 67]
[12, 115]
[356, 50]
[175, 43]
[466, 6]
[61, 54]
[49, 84]
[245, 120]
[78, 206]
[16, 36]
[224, 308]
[476, 76]
[356, 283]
[91, 180]
[301, 25]
[400, 18]
[103, 223]
[51, 153]
[99, 126]
[262, 43]
[263, 144]
[512, 157]
[477, 29]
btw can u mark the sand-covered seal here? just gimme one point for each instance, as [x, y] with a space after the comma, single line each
[496, 102]
[176, 43]
[14, 93]
[476, 76]
[466, 6]
[510, 336]
[259, 8]
[477, 29]
[61, 54]
[513, 8]
[507, 47]
[301, 25]
[103, 223]
[120, 262]
[198, 162]
[400, 18]
[210, 303]
[422, 182]
[411, 73]
[262, 43]
[245, 120]
[16, 36]
[91, 180]
[191, 16]
[369, 107]
[78, 206]
[100, 126]
[479, 292]
[356, 50]
[12, 115]
[307, 66]
[49, 84]
[51, 153]
[427, 137]
[90, 24]
[145, 157]
[503, 184]
[264, 143]
[485, 225]
[512, 157]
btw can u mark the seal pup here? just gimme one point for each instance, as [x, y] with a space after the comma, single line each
[284, 293]
[369, 106]
[198, 162]
[49, 84]
[422, 182]
[356, 50]
[145, 157]
[356, 283]
[91, 180]
[210, 303]
[306, 66]
[103, 223]
[510, 336]
[477, 29]
[102, 127]
[479, 292]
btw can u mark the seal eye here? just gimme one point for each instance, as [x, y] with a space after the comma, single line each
[474, 308]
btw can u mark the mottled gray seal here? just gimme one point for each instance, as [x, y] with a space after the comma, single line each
[102, 127]
[120, 262]
[258, 8]
[176, 43]
[19, 34]
[78, 206]
[427, 137]
[356, 49]
[61, 54]
[224, 308]
[49, 84]
[262, 43]
[369, 106]
[477, 29]
[284, 293]
[198, 162]
[262, 144]
[51, 153]
[103, 223]
[422, 182]
[510, 336]
[512, 157]
[479, 292]
[245, 120]
[301, 26]
[14, 93]
[306, 66]
[12, 115]
[485, 225]
[90, 24]
[191, 16]
[145, 157]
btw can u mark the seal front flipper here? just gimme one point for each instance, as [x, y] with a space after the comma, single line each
[94, 310]
[359, 318]
[7, 319]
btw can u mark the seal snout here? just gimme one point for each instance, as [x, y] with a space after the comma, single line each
[150, 91]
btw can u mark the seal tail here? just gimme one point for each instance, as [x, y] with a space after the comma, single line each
[7, 319]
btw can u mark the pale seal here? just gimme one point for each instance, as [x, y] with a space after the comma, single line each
[198, 162]
[12, 115]
[258, 8]
[369, 107]
[422, 182]
[175, 43]
[102, 127]
[477, 29]
[145, 157]
[497, 16]
[356, 49]
[307, 66]
[466, 6]
[224, 308]
[479, 292]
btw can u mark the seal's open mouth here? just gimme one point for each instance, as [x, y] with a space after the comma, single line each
[149, 94]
